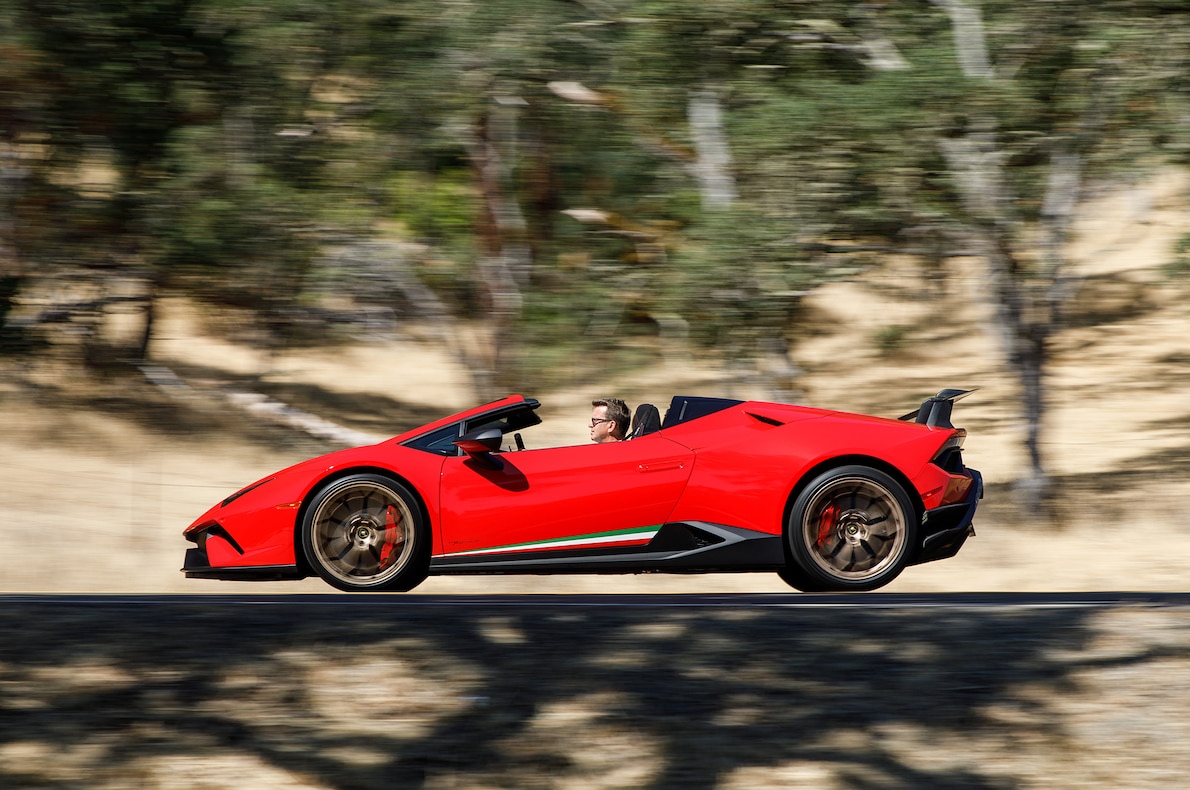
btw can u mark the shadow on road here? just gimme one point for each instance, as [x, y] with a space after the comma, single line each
[355, 693]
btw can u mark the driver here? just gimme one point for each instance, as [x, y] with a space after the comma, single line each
[609, 420]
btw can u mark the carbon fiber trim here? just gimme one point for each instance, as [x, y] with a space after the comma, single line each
[678, 547]
[947, 528]
[197, 566]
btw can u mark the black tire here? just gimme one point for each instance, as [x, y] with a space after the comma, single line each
[366, 533]
[851, 529]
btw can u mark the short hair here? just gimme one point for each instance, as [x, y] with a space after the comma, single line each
[616, 410]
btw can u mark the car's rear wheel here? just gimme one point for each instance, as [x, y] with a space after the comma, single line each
[367, 533]
[851, 528]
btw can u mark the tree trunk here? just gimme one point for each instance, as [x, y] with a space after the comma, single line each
[1026, 330]
[505, 263]
[713, 166]
[969, 40]
[1024, 316]
[150, 317]
[1024, 322]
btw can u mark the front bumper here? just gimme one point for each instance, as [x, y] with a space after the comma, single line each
[947, 528]
[198, 566]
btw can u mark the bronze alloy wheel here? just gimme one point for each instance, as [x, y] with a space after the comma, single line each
[851, 529]
[366, 532]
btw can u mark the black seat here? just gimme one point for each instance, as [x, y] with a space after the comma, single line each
[646, 420]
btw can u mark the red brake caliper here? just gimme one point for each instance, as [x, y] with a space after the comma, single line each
[827, 522]
[392, 536]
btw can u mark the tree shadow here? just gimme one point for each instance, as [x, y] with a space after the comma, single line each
[1141, 474]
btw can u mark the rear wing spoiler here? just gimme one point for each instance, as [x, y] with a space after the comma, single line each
[935, 412]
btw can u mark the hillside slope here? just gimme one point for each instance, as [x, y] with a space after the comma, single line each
[114, 470]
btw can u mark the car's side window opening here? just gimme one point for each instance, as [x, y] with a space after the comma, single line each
[483, 425]
[509, 430]
[439, 442]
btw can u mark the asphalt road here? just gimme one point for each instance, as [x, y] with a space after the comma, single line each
[877, 690]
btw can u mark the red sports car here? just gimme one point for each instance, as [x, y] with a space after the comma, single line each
[828, 500]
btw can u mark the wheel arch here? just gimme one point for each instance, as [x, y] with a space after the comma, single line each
[850, 460]
[339, 474]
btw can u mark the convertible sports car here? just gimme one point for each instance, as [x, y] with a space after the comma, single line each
[830, 501]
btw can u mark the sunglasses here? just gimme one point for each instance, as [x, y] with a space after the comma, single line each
[596, 420]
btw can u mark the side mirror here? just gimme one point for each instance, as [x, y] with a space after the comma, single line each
[479, 446]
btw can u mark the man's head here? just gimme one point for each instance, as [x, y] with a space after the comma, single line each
[609, 419]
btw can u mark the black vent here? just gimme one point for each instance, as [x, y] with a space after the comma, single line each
[951, 460]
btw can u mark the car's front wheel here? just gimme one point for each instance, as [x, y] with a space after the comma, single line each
[851, 528]
[367, 533]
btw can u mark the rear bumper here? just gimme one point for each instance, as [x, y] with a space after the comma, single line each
[947, 528]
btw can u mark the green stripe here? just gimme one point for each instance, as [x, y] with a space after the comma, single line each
[591, 536]
[626, 533]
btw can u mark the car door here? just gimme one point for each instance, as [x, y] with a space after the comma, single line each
[562, 497]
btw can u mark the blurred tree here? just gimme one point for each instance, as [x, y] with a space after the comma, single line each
[712, 93]
[89, 120]
[1058, 96]
[566, 172]
[136, 167]
[20, 95]
[857, 129]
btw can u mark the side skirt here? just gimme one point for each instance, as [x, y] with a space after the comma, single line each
[680, 547]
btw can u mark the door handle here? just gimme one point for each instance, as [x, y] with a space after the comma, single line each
[660, 466]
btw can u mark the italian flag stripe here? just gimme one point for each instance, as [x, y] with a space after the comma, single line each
[635, 535]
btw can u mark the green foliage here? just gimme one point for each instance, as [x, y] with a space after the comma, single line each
[738, 276]
[239, 144]
[439, 207]
[1179, 266]
[890, 339]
